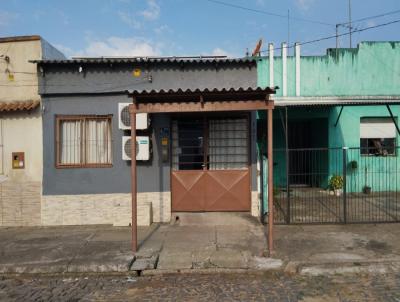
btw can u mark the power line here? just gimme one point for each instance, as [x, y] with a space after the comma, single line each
[373, 17]
[334, 36]
[301, 19]
[254, 10]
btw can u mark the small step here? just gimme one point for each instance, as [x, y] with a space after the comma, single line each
[211, 218]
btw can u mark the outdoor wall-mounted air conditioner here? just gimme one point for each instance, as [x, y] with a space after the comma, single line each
[142, 148]
[124, 119]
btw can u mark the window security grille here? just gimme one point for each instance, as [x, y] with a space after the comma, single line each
[377, 136]
[210, 144]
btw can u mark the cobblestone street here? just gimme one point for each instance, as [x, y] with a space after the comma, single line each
[215, 287]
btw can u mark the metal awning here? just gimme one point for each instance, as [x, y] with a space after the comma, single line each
[336, 101]
[18, 105]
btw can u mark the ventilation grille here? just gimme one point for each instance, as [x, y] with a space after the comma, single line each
[125, 116]
[142, 148]
[127, 148]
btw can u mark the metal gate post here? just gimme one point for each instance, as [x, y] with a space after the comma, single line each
[287, 166]
[345, 184]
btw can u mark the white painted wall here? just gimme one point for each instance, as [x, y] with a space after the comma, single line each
[25, 84]
[20, 131]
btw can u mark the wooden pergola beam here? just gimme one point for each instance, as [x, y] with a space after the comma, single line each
[204, 106]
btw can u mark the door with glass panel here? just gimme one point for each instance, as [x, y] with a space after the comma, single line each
[210, 164]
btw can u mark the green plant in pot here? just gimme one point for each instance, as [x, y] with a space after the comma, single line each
[336, 184]
[366, 189]
[354, 165]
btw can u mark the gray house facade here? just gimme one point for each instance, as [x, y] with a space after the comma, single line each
[86, 174]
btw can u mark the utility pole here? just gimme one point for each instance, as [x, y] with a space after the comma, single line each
[337, 36]
[350, 27]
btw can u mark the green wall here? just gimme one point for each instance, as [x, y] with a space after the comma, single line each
[381, 173]
[371, 171]
[372, 69]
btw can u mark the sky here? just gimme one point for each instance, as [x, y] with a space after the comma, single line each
[191, 27]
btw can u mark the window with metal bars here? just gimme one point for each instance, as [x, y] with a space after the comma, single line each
[210, 144]
[83, 141]
[377, 136]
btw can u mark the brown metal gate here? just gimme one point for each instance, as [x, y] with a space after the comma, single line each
[210, 164]
[197, 191]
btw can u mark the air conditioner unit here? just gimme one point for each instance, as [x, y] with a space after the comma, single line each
[142, 148]
[124, 118]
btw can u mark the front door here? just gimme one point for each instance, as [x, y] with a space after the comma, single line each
[210, 164]
[299, 141]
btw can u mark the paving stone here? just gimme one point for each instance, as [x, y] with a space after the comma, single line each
[202, 287]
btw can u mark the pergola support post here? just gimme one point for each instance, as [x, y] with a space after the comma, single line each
[132, 111]
[270, 183]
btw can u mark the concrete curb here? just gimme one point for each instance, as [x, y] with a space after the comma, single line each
[62, 269]
[343, 267]
[205, 271]
[292, 267]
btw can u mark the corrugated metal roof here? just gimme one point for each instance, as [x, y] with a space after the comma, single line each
[179, 91]
[18, 105]
[337, 102]
[108, 60]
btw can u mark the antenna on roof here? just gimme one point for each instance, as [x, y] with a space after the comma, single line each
[257, 49]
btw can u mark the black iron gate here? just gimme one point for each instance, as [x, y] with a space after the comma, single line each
[337, 185]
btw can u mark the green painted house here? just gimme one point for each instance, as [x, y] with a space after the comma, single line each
[340, 111]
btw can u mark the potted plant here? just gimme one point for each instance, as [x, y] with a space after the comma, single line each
[366, 189]
[353, 164]
[336, 184]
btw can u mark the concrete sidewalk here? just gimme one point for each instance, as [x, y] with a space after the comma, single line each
[194, 241]
[206, 241]
[67, 249]
[202, 243]
[332, 249]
